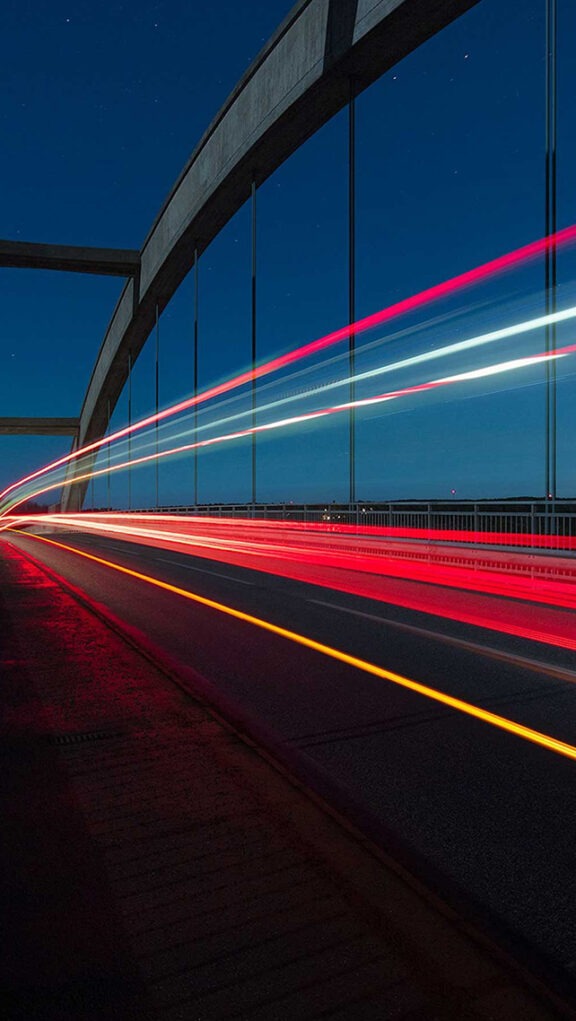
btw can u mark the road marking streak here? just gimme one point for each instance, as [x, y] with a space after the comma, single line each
[558, 672]
[201, 570]
[518, 729]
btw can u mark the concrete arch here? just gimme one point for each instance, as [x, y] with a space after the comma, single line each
[298, 82]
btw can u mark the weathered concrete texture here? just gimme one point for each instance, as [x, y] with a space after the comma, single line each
[70, 258]
[300, 79]
[157, 867]
[10, 426]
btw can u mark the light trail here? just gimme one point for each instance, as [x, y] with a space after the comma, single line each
[431, 535]
[455, 580]
[350, 554]
[445, 289]
[472, 374]
[501, 722]
[456, 348]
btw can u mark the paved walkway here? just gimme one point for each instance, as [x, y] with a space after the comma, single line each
[155, 866]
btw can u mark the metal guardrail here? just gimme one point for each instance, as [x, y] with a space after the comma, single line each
[531, 523]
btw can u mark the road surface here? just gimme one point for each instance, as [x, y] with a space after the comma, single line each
[483, 815]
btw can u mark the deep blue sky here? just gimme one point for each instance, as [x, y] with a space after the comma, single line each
[101, 104]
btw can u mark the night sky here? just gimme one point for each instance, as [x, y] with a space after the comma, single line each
[101, 105]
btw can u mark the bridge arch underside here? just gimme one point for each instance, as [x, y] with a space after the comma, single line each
[323, 52]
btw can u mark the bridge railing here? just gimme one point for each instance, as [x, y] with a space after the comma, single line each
[533, 524]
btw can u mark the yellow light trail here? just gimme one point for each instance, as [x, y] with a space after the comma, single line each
[502, 722]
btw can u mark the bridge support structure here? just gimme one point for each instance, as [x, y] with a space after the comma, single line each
[301, 79]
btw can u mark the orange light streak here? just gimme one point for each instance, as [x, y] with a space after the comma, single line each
[467, 708]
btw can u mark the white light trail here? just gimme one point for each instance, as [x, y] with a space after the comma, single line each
[490, 370]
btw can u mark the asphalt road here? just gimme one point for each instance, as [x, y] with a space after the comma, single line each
[485, 817]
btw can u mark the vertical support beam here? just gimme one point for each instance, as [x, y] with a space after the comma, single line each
[352, 282]
[129, 434]
[157, 404]
[108, 479]
[195, 373]
[253, 206]
[550, 259]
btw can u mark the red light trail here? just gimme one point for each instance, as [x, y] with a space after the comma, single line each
[306, 417]
[448, 287]
[546, 741]
[535, 592]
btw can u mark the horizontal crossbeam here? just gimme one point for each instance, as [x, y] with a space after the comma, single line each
[120, 262]
[38, 426]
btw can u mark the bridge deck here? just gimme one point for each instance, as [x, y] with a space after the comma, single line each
[160, 868]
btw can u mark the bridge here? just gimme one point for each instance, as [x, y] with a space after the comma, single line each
[350, 541]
